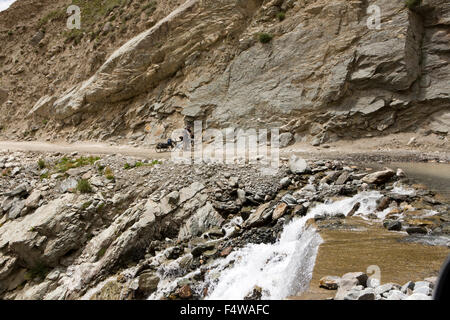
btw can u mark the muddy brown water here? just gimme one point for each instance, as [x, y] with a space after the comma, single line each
[436, 176]
[368, 243]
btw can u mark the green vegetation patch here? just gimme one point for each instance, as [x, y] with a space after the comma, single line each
[109, 174]
[40, 271]
[52, 16]
[93, 10]
[281, 16]
[42, 164]
[65, 163]
[411, 4]
[83, 186]
[265, 37]
[150, 7]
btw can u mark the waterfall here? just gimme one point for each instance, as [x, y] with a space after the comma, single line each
[285, 267]
[280, 269]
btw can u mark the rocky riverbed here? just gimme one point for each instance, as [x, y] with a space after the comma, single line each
[113, 227]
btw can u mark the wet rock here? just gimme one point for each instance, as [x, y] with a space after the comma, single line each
[289, 200]
[299, 209]
[383, 203]
[344, 176]
[279, 211]
[416, 230]
[259, 217]
[320, 217]
[256, 294]
[209, 253]
[400, 173]
[366, 294]
[378, 177]
[329, 282]
[393, 225]
[226, 208]
[199, 249]
[214, 233]
[184, 292]
[285, 182]
[110, 291]
[148, 283]
[226, 252]
[358, 294]
[354, 209]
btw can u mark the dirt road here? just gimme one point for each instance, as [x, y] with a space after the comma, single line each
[379, 149]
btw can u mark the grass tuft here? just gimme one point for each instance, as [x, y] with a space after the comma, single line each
[84, 186]
[281, 16]
[411, 4]
[265, 37]
[42, 164]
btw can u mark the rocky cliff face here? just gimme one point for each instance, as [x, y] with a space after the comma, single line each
[324, 76]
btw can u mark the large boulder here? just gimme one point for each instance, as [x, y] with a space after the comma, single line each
[204, 219]
[379, 177]
[297, 165]
[148, 283]
[258, 218]
[286, 139]
[45, 236]
[32, 202]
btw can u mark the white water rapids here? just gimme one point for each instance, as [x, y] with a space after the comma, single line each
[280, 269]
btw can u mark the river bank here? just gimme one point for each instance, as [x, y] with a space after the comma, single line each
[149, 228]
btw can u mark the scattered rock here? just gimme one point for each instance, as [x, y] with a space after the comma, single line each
[355, 208]
[416, 230]
[148, 283]
[279, 211]
[286, 139]
[329, 282]
[378, 177]
[297, 165]
[185, 292]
